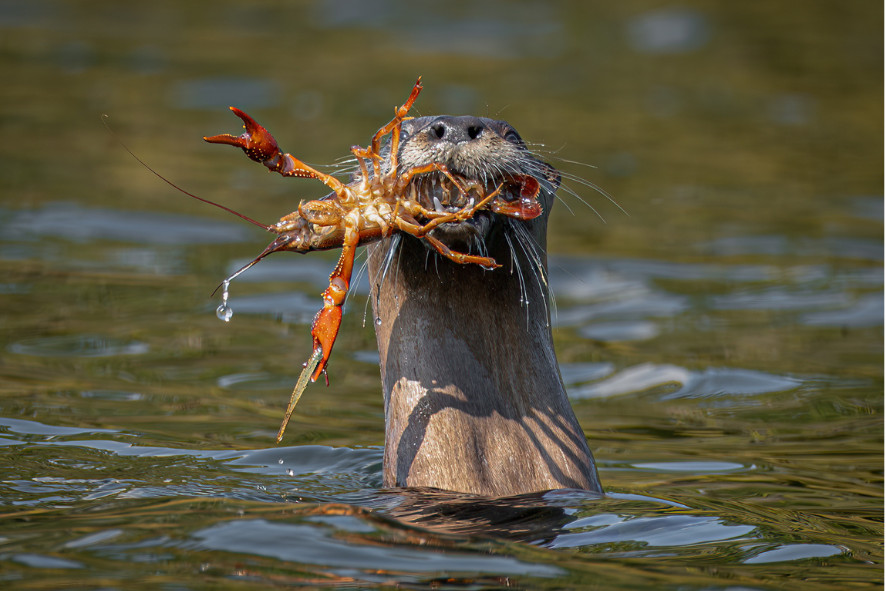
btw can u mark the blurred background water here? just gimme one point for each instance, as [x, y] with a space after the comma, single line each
[722, 342]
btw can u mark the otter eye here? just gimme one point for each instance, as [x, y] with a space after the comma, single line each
[512, 136]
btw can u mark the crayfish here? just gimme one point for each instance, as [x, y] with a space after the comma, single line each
[381, 199]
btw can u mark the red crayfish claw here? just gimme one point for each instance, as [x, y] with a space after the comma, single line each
[526, 206]
[324, 330]
[257, 142]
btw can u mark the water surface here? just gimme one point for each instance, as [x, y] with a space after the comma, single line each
[722, 343]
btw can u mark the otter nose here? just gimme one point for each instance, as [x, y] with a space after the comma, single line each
[457, 129]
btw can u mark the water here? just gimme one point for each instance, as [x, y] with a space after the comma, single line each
[722, 343]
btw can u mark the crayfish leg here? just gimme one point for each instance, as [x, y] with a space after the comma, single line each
[399, 115]
[259, 145]
[459, 257]
[326, 323]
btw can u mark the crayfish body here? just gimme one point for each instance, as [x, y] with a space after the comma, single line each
[382, 199]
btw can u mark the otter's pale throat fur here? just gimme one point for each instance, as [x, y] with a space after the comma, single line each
[473, 396]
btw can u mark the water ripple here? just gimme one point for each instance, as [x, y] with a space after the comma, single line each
[75, 223]
[317, 544]
[77, 346]
[692, 384]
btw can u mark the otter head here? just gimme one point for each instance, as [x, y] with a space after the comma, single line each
[477, 149]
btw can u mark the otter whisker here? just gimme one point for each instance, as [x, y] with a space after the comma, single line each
[480, 244]
[533, 251]
[515, 265]
[595, 187]
[363, 268]
[391, 244]
[436, 264]
[539, 170]
[551, 154]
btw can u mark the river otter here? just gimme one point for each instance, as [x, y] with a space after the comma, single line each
[473, 396]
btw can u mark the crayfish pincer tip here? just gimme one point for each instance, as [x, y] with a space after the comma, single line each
[239, 113]
[222, 139]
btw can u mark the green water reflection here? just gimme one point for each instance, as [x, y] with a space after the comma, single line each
[723, 341]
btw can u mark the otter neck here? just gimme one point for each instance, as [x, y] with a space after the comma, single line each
[473, 396]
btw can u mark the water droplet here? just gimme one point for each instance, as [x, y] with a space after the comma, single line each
[224, 313]
[290, 472]
[377, 321]
[280, 461]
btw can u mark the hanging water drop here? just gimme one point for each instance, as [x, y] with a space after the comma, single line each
[377, 321]
[223, 311]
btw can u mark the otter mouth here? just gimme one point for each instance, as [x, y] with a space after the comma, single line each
[443, 194]
[438, 193]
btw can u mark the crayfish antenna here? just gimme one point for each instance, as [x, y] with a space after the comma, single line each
[236, 274]
[274, 246]
[176, 187]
